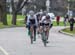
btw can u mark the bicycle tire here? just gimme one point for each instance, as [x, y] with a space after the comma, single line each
[44, 39]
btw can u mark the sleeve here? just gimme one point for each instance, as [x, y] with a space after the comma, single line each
[28, 20]
[51, 23]
[43, 18]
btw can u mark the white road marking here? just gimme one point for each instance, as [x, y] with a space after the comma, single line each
[3, 50]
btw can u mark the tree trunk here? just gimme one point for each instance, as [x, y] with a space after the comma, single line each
[16, 9]
[4, 14]
[0, 16]
[14, 18]
[4, 19]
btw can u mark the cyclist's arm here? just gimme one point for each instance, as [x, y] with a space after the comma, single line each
[51, 23]
[43, 18]
[36, 22]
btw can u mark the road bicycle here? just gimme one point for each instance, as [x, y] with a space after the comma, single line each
[45, 33]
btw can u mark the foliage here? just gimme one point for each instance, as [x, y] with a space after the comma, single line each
[16, 8]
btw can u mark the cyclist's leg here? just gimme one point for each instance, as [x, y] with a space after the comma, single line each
[47, 34]
[34, 33]
[28, 29]
[31, 34]
[37, 30]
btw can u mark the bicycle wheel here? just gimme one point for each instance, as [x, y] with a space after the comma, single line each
[44, 39]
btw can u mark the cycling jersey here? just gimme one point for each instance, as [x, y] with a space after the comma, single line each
[44, 21]
[31, 20]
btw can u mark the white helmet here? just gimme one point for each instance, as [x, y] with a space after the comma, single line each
[31, 12]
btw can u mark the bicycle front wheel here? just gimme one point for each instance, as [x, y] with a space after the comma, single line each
[44, 39]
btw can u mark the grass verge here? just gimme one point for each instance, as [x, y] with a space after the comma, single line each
[67, 30]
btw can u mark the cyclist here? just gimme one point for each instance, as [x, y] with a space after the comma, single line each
[46, 21]
[32, 21]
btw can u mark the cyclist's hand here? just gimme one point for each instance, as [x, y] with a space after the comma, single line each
[26, 26]
[51, 25]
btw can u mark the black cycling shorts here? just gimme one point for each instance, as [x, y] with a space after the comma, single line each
[44, 24]
[32, 21]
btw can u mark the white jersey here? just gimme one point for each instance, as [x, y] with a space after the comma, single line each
[31, 17]
[43, 20]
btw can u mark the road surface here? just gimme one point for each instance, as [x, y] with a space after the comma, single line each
[15, 41]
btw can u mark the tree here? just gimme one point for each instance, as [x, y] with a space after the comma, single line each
[3, 13]
[0, 12]
[40, 4]
[16, 7]
[4, 17]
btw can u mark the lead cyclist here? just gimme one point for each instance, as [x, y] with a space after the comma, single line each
[46, 20]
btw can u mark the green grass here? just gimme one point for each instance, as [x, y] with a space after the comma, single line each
[20, 20]
[9, 19]
[68, 30]
[1, 25]
[20, 17]
[60, 24]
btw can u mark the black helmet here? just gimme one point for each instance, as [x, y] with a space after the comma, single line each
[47, 17]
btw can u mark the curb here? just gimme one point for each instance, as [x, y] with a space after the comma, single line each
[65, 33]
[13, 26]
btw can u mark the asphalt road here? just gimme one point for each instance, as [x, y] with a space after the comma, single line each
[15, 41]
